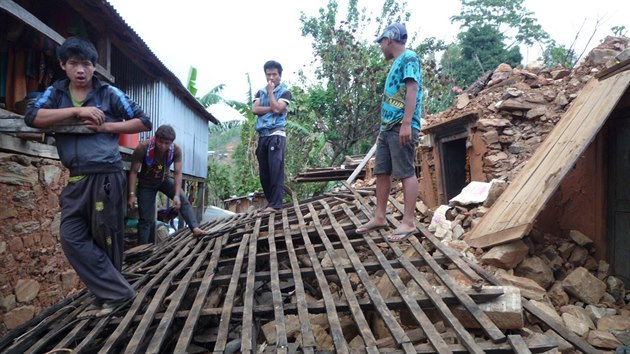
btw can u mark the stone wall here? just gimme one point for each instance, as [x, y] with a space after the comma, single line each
[34, 273]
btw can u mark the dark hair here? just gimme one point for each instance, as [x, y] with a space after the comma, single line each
[272, 64]
[166, 132]
[80, 48]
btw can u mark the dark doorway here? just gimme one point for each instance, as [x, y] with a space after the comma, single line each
[453, 158]
[619, 196]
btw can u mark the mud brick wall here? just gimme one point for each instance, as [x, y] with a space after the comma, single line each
[34, 273]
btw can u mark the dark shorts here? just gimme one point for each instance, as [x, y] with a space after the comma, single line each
[393, 159]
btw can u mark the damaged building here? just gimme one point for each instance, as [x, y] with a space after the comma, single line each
[303, 281]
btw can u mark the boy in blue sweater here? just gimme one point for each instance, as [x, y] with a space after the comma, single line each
[92, 204]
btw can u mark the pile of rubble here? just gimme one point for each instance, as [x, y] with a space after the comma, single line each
[517, 108]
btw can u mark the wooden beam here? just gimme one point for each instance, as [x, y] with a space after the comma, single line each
[359, 168]
[13, 144]
[28, 18]
[620, 63]
[17, 125]
[499, 237]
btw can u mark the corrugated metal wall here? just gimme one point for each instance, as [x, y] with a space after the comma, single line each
[164, 107]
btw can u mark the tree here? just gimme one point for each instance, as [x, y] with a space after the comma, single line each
[505, 16]
[619, 31]
[350, 72]
[555, 55]
[439, 89]
[480, 49]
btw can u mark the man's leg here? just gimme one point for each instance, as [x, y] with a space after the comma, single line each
[168, 188]
[410, 196]
[382, 170]
[404, 168]
[263, 166]
[383, 187]
[96, 270]
[146, 214]
[275, 156]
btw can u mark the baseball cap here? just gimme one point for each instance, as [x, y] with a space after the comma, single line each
[395, 31]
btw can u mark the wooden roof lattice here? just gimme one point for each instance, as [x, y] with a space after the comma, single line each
[214, 294]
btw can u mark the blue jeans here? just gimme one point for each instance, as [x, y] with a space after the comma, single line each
[146, 209]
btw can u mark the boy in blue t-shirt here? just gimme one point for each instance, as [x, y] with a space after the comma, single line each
[400, 126]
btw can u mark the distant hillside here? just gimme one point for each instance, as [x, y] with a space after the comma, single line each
[221, 144]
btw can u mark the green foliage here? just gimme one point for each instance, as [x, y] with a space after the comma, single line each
[245, 167]
[218, 183]
[306, 145]
[619, 31]
[555, 55]
[480, 49]
[213, 96]
[439, 89]
[505, 16]
[345, 102]
[192, 80]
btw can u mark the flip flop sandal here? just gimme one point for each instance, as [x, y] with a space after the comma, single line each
[400, 236]
[91, 311]
[267, 212]
[364, 229]
[111, 307]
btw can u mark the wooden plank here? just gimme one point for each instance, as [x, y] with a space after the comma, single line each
[394, 327]
[278, 303]
[499, 237]
[518, 344]
[202, 293]
[487, 294]
[248, 298]
[362, 164]
[306, 332]
[502, 205]
[62, 321]
[486, 323]
[26, 147]
[17, 125]
[450, 255]
[525, 197]
[619, 64]
[423, 320]
[361, 322]
[163, 328]
[28, 18]
[563, 149]
[333, 318]
[226, 314]
[122, 330]
[572, 147]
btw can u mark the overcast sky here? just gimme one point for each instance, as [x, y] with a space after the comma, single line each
[226, 40]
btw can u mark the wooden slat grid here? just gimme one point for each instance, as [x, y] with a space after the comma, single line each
[302, 276]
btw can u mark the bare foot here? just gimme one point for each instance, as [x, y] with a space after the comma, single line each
[372, 225]
[197, 232]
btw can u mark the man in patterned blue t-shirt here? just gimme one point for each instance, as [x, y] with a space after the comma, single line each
[400, 126]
